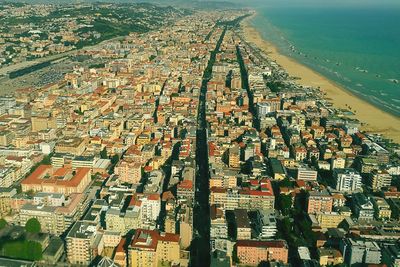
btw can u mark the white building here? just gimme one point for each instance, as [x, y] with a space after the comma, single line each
[150, 207]
[263, 109]
[49, 199]
[266, 224]
[347, 180]
[306, 173]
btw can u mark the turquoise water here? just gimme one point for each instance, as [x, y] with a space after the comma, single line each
[358, 48]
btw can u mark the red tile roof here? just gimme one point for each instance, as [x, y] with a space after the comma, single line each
[148, 239]
[257, 244]
[37, 176]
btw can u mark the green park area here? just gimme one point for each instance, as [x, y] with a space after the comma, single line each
[15, 242]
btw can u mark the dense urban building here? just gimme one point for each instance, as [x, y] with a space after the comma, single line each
[145, 135]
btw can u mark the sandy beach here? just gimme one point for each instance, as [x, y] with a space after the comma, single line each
[374, 119]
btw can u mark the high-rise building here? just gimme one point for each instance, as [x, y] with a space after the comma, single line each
[380, 179]
[129, 172]
[234, 157]
[83, 243]
[219, 226]
[360, 252]
[263, 109]
[266, 224]
[242, 222]
[319, 201]
[347, 180]
[382, 208]
[6, 193]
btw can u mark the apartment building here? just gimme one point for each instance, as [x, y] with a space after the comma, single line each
[360, 252]
[6, 193]
[319, 201]
[149, 248]
[252, 252]
[380, 179]
[347, 180]
[83, 243]
[129, 171]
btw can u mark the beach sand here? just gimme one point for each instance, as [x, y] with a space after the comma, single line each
[374, 120]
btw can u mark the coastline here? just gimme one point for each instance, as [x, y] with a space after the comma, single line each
[374, 119]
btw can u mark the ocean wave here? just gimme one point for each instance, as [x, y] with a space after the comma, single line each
[387, 105]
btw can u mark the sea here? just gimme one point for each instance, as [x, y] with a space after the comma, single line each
[357, 47]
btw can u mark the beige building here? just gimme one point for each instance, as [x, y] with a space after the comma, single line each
[53, 219]
[111, 241]
[259, 197]
[83, 243]
[330, 219]
[42, 123]
[6, 137]
[382, 208]
[149, 248]
[75, 146]
[8, 175]
[122, 222]
[6, 193]
[234, 157]
[129, 172]
[170, 223]
[186, 227]
[329, 256]
[338, 163]
[223, 180]
[380, 179]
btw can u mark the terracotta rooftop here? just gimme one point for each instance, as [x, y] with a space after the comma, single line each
[47, 174]
[260, 244]
[148, 239]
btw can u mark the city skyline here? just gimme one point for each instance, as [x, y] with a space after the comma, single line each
[146, 135]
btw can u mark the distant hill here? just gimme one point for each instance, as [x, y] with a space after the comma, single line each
[212, 4]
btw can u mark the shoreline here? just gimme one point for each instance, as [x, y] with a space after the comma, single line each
[375, 119]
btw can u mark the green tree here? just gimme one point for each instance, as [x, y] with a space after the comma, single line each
[286, 183]
[47, 159]
[286, 227]
[285, 203]
[235, 257]
[32, 225]
[3, 223]
[114, 159]
[103, 153]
